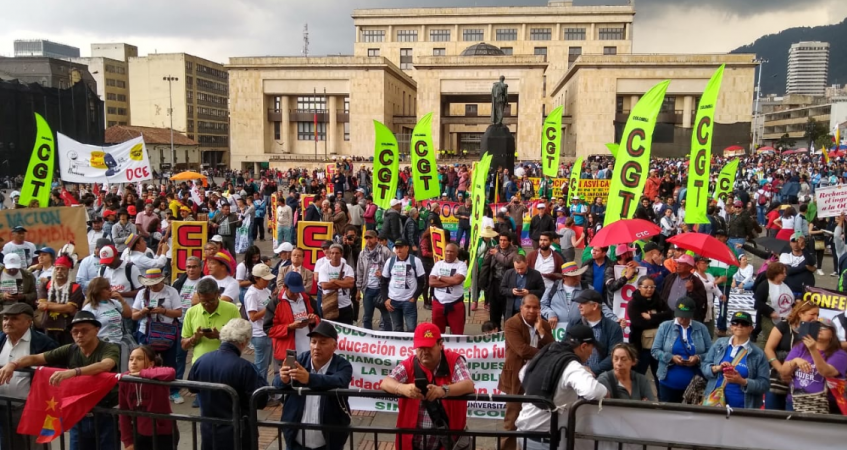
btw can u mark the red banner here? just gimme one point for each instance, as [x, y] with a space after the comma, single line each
[310, 236]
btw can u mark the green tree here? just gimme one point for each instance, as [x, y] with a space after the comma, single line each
[824, 142]
[814, 130]
[784, 142]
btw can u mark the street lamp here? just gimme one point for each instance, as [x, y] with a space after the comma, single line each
[170, 79]
[757, 134]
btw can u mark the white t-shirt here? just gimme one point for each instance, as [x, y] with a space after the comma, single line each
[257, 300]
[323, 260]
[546, 265]
[93, 236]
[241, 272]
[329, 272]
[167, 298]
[185, 294]
[26, 251]
[227, 287]
[118, 280]
[790, 259]
[10, 284]
[780, 298]
[442, 268]
[403, 279]
[108, 313]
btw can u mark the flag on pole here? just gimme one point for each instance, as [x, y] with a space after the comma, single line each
[386, 166]
[697, 193]
[838, 389]
[425, 173]
[39, 173]
[726, 179]
[551, 142]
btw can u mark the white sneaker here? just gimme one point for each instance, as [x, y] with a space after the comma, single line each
[819, 272]
[834, 274]
[177, 399]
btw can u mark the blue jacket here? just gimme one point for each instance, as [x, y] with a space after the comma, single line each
[333, 410]
[555, 304]
[39, 342]
[610, 336]
[657, 273]
[225, 366]
[665, 338]
[758, 381]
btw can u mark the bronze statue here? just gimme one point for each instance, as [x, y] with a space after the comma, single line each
[499, 100]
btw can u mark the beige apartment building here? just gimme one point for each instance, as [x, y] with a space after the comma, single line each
[108, 65]
[199, 90]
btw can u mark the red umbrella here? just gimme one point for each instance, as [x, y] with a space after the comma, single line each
[705, 245]
[733, 148]
[625, 232]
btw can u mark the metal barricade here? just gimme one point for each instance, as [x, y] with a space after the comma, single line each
[352, 430]
[626, 424]
[10, 409]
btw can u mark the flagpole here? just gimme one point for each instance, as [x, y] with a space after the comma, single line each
[315, 119]
[326, 133]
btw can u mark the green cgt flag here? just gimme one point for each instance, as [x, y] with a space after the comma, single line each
[480, 175]
[39, 173]
[386, 166]
[726, 180]
[551, 142]
[424, 170]
[632, 159]
[573, 183]
[697, 193]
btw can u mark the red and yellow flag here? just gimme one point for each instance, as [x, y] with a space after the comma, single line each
[838, 388]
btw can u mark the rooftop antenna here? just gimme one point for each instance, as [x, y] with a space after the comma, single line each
[306, 40]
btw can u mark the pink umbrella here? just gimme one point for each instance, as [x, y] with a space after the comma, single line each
[625, 232]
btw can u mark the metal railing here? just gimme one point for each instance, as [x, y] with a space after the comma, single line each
[353, 429]
[11, 408]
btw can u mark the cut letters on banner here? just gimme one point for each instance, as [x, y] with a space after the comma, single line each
[189, 238]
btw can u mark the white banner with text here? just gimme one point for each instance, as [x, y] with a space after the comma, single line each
[831, 200]
[122, 163]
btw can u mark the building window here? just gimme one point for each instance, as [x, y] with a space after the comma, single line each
[540, 51]
[574, 34]
[619, 104]
[506, 34]
[190, 124]
[471, 110]
[507, 50]
[189, 81]
[668, 105]
[407, 35]
[373, 52]
[439, 52]
[121, 111]
[112, 123]
[347, 105]
[610, 50]
[277, 103]
[540, 34]
[406, 58]
[111, 110]
[111, 82]
[190, 110]
[611, 34]
[277, 130]
[121, 84]
[189, 95]
[373, 35]
[439, 35]
[111, 96]
[311, 103]
[472, 35]
[306, 131]
[574, 53]
[122, 98]
[346, 131]
[209, 71]
[189, 66]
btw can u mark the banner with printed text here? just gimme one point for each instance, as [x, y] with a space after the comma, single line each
[551, 142]
[480, 174]
[573, 183]
[122, 163]
[272, 219]
[386, 166]
[624, 295]
[633, 157]
[424, 169]
[189, 238]
[588, 190]
[831, 303]
[374, 354]
[47, 227]
[310, 236]
[726, 180]
[697, 194]
[439, 243]
[831, 200]
[39, 172]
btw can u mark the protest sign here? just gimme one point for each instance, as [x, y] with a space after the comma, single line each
[306, 200]
[551, 142]
[700, 160]
[374, 354]
[624, 295]
[310, 236]
[438, 243]
[39, 172]
[330, 174]
[48, 227]
[189, 238]
[573, 183]
[272, 220]
[588, 189]
[726, 180]
[831, 200]
[425, 173]
[386, 171]
[831, 303]
[122, 163]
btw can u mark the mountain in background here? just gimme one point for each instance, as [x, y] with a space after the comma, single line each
[774, 48]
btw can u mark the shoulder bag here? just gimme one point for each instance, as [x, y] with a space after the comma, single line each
[777, 386]
[718, 396]
[160, 335]
[329, 302]
[647, 338]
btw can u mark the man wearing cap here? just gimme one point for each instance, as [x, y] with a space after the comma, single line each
[220, 269]
[256, 300]
[283, 251]
[289, 318]
[801, 265]
[403, 280]
[122, 275]
[108, 223]
[683, 283]
[122, 230]
[392, 224]
[740, 226]
[653, 261]
[17, 340]
[318, 369]
[446, 375]
[606, 331]
[525, 334]
[87, 355]
[579, 211]
[96, 232]
[16, 283]
[224, 224]
[20, 246]
[558, 374]
[558, 305]
[225, 365]
[448, 278]
[517, 210]
[43, 269]
[137, 247]
[59, 299]
[679, 347]
[368, 274]
[540, 223]
[337, 277]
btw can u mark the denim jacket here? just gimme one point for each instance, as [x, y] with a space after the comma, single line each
[758, 381]
[665, 338]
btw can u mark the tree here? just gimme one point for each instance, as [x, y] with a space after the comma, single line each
[784, 142]
[814, 130]
[824, 142]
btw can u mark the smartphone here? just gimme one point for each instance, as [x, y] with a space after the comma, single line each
[206, 330]
[303, 319]
[421, 384]
[290, 358]
[809, 329]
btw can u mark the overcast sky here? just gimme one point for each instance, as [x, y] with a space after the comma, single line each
[218, 29]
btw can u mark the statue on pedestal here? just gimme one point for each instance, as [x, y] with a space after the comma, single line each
[499, 100]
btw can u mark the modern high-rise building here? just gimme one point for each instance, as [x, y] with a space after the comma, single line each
[808, 68]
[199, 91]
[43, 47]
[108, 65]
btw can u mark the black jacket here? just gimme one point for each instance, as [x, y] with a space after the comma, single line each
[39, 343]
[392, 225]
[313, 213]
[541, 223]
[534, 284]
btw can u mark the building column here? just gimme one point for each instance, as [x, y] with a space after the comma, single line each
[423, 34]
[390, 37]
[558, 32]
[285, 126]
[633, 100]
[332, 129]
[358, 31]
[687, 106]
[523, 36]
[490, 33]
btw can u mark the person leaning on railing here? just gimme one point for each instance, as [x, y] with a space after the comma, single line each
[149, 398]
[623, 382]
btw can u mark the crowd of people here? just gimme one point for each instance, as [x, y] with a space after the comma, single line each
[121, 313]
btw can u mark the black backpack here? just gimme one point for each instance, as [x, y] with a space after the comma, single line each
[127, 273]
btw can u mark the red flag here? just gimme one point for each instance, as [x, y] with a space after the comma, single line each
[52, 410]
[68, 198]
[838, 388]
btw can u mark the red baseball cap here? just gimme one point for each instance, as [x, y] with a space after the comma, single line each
[426, 335]
[108, 254]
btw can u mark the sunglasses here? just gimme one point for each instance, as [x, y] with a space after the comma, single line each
[737, 323]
